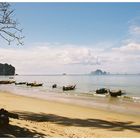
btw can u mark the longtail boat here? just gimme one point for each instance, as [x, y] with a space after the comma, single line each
[70, 87]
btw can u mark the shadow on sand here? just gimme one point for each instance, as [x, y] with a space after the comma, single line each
[93, 123]
[13, 131]
[22, 132]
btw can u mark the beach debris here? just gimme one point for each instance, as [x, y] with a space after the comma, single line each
[54, 86]
[102, 91]
[4, 117]
[69, 87]
[7, 82]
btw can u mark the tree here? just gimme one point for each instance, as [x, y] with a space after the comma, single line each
[9, 29]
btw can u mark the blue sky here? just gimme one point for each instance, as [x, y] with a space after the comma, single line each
[76, 38]
[75, 23]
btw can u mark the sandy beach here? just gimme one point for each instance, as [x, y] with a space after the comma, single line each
[43, 118]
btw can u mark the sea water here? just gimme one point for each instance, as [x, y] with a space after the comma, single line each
[86, 83]
[84, 92]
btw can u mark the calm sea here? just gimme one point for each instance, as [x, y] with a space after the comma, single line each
[84, 83]
[85, 89]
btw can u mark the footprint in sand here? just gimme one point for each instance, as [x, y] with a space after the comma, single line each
[61, 134]
[52, 131]
[33, 130]
[26, 125]
[43, 130]
[35, 127]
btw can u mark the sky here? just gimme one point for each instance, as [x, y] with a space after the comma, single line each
[75, 38]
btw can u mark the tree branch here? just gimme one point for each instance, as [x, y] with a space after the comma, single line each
[9, 29]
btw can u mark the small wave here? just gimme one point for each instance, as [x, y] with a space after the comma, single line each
[131, 98]
[136, 99]
[100, 95]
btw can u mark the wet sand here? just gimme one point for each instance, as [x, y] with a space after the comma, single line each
[45, 118]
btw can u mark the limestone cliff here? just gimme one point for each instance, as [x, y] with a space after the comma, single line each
[6, 69]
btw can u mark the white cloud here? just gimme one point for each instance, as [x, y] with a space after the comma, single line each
[42, 58]
[57, 58]
[134, 30]
[131, 48]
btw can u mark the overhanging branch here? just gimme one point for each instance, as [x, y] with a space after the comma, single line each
[9, 29]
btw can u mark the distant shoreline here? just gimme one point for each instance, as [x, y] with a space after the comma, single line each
[72, 75]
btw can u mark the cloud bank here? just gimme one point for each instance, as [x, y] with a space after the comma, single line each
[58, 58]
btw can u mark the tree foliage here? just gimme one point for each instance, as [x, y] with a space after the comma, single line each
[9, 29]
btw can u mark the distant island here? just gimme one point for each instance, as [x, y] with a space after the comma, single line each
[6, 69]
[99, 72]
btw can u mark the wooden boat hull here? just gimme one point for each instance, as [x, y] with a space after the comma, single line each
[102, 91]
[36, 85]
[7, 82]
[21, 83]
[115, 93]
[65, 88]
[29, 84]
[54, 86]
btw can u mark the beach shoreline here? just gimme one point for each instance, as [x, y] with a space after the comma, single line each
[117, 104]
[46, 118]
